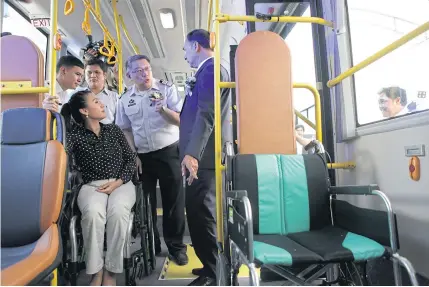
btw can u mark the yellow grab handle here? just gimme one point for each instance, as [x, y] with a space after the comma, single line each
[104, 50]
[112, 60]
[58, 42]
[212, 40]
[68, 7]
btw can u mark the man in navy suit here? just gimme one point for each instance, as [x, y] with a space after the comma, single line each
[197, 151]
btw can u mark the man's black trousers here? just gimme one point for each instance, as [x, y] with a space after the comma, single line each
[201, 215]
[164, 165]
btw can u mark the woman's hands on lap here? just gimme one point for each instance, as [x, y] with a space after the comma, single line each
[110, 187]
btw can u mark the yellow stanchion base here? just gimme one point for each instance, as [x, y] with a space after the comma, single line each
[172, 271]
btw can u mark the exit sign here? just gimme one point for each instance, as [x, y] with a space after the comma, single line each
[41, 22]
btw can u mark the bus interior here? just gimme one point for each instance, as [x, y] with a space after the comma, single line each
[351, 75]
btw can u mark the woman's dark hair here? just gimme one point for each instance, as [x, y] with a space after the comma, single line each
[70, 111]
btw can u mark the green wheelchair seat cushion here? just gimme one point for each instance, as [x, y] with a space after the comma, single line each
[335, 244]
[280, 250]
[330, 244]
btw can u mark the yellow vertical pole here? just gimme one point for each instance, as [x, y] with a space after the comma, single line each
[97, 8]
[217, 128]
[54, 281]
[119, 46]
[52, 44]
[210, 16]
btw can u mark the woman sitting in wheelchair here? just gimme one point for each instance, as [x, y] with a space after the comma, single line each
[107, 165]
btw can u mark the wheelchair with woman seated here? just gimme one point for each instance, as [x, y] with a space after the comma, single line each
[137, 264]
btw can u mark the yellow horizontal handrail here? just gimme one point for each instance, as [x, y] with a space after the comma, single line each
[342, 165]
[317, 106]
[17, 91]
[307, 121]
[127, 35]
[290, 19]
[383, 52]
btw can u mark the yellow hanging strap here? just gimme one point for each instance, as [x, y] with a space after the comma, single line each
[86, 25]
[68, 7]
[112, 59]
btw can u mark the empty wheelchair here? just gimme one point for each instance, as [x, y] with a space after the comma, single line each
[136, 264]
[33, 178]
[284, 215]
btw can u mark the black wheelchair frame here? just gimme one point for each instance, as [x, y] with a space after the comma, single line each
[238, 239]
[136, 265]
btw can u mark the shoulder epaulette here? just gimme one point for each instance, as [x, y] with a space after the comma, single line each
[167, 83]
[125, 91]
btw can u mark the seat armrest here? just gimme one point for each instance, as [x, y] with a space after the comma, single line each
[236, 194]
[354, 189]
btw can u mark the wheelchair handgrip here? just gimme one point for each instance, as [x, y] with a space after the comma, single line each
[236, 194]
[354, 189]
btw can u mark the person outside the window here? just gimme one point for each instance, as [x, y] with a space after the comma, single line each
[392, 102]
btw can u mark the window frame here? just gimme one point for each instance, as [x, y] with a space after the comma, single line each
[378, 123]
[44, 33]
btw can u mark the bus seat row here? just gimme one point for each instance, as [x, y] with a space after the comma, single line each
[21, 60]
[33, 180]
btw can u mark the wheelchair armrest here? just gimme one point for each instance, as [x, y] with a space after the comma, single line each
[75, 183]
[354, 189]
[236, 194]
[228, 154]
[240, 222]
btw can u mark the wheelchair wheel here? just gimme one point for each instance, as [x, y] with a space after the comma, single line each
[352, 274]
[144, 243]
[151, 234]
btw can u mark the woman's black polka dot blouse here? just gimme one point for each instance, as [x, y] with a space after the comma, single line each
[103, 157]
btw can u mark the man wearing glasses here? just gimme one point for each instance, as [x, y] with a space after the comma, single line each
[148, 113]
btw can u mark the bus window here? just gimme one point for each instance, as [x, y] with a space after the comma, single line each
[395, 85]
[16, 24]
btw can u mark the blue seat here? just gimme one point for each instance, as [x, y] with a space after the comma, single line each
[33, 179]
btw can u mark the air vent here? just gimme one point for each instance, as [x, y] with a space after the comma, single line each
[190, 15]
[147, 25]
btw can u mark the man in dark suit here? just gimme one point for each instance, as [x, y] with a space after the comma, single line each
[197, 151]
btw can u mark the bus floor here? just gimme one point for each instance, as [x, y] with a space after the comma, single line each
[174, 275]
[168, 274]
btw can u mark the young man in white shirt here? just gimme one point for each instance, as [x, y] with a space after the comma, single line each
[95, 76]
[69, 76]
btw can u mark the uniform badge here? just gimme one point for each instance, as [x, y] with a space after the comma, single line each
[155, 96]
[131, 103]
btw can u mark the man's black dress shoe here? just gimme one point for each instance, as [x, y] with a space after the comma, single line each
[179, 257]
[197, 271]
[203, 281]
